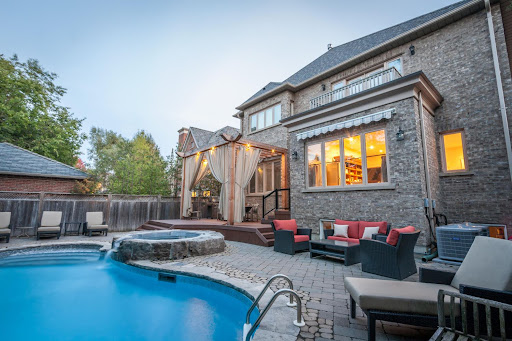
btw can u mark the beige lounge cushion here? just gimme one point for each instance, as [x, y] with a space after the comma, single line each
[5, 231]
[51, 218]
[401, 297]
[49, 229]
[5, 219]
[94, 218]
[97, 227]
[488, 264]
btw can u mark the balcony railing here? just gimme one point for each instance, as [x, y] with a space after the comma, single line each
[372, 81]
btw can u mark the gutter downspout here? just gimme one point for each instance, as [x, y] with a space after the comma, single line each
[426, 166]
[499, 85]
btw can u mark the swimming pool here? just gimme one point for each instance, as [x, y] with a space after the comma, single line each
[78, 296]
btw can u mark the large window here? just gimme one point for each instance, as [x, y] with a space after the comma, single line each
[266, 178]
[364, 161]
[453, 153]
[265, 118]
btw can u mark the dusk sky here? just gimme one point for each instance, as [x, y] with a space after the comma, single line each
[162, 65]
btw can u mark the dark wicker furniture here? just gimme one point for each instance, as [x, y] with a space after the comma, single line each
[414, 303]
[94, 223]
[284, 240]
[347, 251]
[376, 236]
[51, 224]
[381, 258]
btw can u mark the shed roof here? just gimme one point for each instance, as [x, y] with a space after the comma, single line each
[15, 160]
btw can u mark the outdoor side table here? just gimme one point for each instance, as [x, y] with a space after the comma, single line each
[347, 251]
[77, 231]
[24, 231]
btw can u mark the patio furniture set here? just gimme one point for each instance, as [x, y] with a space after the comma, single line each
[386, 252]
[51, 225]
[474, 301]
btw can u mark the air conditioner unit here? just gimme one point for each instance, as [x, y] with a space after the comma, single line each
[454, 240]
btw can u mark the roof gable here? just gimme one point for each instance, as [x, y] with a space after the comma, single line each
[342, 53]
[18, 161]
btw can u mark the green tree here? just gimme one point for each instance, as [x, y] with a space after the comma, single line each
[107, 148]
[31, 115]
[141, 170]
[175, 164]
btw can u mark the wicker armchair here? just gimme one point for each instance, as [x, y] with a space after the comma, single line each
[286, 241]
[5, 225]
[383, 259]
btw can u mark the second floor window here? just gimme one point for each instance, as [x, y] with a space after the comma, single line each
[265, 118]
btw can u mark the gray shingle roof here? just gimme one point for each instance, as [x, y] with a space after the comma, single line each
[344, 52]
[16, 160]
[205, 138]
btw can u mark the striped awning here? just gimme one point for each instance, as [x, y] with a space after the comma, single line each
[386, 114]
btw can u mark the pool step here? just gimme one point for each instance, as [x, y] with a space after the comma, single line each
[33, 258]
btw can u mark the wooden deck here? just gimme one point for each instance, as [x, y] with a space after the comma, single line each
[246, 232]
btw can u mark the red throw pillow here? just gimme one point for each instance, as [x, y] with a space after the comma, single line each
[392, 239]
[353, 227]
[290, 225]
[382, 225]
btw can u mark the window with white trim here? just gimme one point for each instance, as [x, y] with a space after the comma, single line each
[266, 178]
[265, 118]
[364, 161]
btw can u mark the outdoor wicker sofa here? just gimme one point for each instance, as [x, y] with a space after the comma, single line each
[393, 261]
[51, 224]
[485, 272]
[356, 230]
[288, 238]
[94, 223]
[5, 226]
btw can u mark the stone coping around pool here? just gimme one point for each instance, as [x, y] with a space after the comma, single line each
[98, 246]
[277, 324]
[179, 244]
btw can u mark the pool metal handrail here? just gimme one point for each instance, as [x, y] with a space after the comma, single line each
[256, 301]
[298, 322]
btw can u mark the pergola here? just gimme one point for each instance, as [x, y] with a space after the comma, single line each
[233, 163]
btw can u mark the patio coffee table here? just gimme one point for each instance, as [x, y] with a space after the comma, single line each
[347, 251]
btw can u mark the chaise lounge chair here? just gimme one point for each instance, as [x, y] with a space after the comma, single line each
[51, 224]
[94, 223]
[485, 272]
[5, 224]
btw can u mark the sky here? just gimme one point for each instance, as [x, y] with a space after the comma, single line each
[161, 65]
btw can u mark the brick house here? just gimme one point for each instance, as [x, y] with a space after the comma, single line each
[24, 171]
[375, 128]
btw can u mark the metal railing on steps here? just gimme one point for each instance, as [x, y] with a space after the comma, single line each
[299, 322]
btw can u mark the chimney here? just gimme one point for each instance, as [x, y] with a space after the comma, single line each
[329, 46]
[183, 132]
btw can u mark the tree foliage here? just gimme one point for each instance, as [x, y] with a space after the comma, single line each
[128, 166]
[31, 115]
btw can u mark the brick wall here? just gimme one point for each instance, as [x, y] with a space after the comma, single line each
[35, 184]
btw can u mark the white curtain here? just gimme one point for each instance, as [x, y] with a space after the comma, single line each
[246, 163]
[219, 161]
[194, 170]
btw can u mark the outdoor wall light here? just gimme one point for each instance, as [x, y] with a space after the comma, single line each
[400, 136]
[323, 87]
[295, 155]
[412, 49]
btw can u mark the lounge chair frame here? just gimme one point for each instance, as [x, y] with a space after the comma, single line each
[284, 241]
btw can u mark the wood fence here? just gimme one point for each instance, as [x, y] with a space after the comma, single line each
[122, 212]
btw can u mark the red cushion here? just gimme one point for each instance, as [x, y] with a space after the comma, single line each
[382, 225]
[301, 238]
[290, 225]
[353, 227]
[352, 240]
[392, 239]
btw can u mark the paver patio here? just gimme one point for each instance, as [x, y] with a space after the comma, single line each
[318, 281]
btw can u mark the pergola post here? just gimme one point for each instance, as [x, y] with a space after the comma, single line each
[182, 188]
[231, 182]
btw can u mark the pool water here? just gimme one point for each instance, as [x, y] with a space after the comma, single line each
[69, 297]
